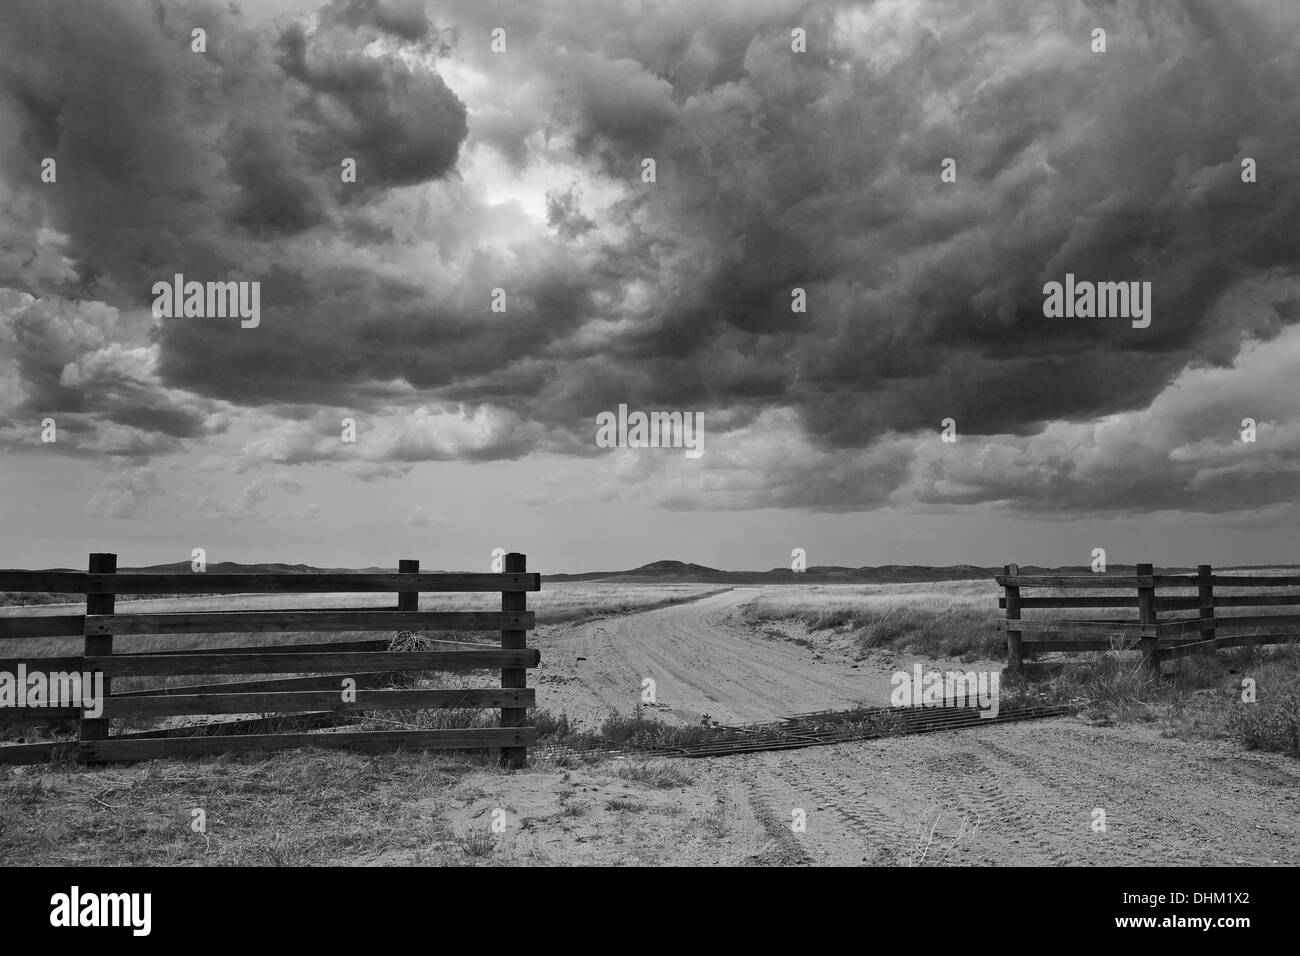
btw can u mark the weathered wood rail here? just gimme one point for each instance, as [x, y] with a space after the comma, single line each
[1157, 639]
[362, 663]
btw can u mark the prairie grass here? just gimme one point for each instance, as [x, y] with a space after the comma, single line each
[955, 619]
[1194, 697]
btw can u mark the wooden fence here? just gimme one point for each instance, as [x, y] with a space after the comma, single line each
[1199, 629]
[365, 662]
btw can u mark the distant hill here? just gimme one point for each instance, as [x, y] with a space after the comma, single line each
[683, 572]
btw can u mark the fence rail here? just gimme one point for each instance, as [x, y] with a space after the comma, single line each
[258, 582]
[1158, 640]
[362, 664]
[243, 622]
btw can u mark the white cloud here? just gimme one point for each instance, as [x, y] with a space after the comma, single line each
[422, 517]
[124, 494]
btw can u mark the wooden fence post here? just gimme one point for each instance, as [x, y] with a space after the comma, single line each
[1147, 615]
[1015, 659]
[1205, 594]
[514, 677]
[99, 645]
[408, 600]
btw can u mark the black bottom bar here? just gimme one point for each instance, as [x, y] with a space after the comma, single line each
[991, 907]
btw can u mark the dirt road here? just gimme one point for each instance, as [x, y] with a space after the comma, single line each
[1050, 793]
[702, 659]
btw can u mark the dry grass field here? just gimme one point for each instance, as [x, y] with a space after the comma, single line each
[948, 619]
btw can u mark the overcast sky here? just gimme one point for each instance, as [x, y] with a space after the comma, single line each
[775, 169]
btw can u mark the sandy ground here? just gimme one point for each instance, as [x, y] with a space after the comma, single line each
[589, 816]
[1029, 794]
[1050, 793]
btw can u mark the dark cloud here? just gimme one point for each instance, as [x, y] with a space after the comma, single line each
[172, 160]
[564, 213]
[62, 361]
[403, 126]
[403, 18]
[276, 195]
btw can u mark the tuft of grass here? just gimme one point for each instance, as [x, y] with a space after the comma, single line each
[554, 728]
[1269, 724]
[478, 844]
[662, 774]
[571, 807]
[624, 804]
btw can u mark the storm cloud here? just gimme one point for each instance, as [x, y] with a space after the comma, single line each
[776, 170]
